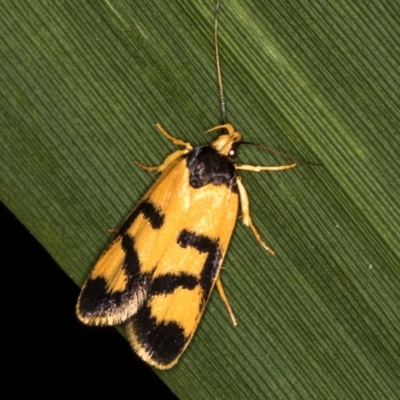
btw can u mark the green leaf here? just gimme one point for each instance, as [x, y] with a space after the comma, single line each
[83, 84]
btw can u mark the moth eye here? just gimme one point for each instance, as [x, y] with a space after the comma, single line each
[233, 151]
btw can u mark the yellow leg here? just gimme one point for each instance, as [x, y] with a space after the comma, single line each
[221, 292]
[172, 157]
[174, 140]
[228, 127]
[258, 168]
[169, 160]
[245, 205]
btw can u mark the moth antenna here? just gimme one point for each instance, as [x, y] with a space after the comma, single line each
[219, 74]
[281, 153]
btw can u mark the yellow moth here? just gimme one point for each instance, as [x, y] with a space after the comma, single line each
[158, 272]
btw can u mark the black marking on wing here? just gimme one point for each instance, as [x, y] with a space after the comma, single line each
[167, 283]
[95, 300]
[164, 342]
[203, 244]
[206, 166]
[149, 211]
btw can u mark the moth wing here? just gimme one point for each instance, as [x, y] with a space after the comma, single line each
[119, 282]
[201, 222]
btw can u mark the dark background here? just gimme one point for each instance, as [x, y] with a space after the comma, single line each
[46, 350]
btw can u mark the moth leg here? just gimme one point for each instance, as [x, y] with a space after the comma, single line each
[258, 168]
[174, 140]
[245, 206]
[168, 161]
[172, 157]
[221, 292]
[228, 127]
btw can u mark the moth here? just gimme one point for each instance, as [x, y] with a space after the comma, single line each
[159, 270]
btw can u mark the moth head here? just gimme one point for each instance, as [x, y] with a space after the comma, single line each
[226, 143]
